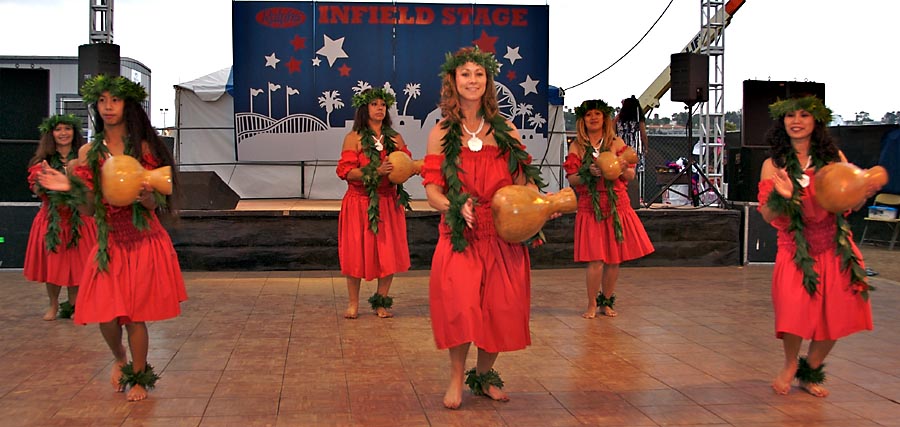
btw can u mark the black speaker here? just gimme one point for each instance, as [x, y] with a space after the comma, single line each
[97, 58]
[204, 190]
[15, 224]
[14, 170]
[24, 102]
[760, 240]
[689, 77]
[742, 172]
[758, 95]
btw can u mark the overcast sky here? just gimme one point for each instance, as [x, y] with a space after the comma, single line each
[848, 48]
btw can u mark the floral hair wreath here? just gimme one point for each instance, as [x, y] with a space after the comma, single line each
[473, 54]
[365, 97]
[810, 104]
[50, 123]
[593, 104]
[118, 86]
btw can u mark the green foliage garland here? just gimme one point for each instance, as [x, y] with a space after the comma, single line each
[474, 55]
[55, 200]
[377, 300]
[603, 301]
[793, 209]
[594, 104]
[805, 372]
[363, 98]
[810, 104]
[590, 182]
[477, 382]
[146, 378]
[371, 180]
[452, 147]
[50, 123]
[119, 87]
[66, 310]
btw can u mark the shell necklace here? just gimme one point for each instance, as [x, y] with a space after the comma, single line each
[804, 178]
[596, 148]
[474, 143]
[378, 145]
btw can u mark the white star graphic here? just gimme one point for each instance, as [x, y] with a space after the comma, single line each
[316, 61]
[529, 85]
[332, 50]
[512, 55]
[271, 60]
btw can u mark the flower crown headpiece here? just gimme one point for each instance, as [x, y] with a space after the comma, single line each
[810, 104]
[50, 123]
[474, 54]
[365, 97]
[119, 86]
[593, 104]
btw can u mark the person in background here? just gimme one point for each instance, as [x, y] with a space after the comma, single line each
[816, 296]
[372, 240]
[480, 285]
[132, 276]
[607, 229]
[631, 126]
[60, 236]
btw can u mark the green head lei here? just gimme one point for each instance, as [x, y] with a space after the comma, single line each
[484, 59]
[52, 122]
[810, 104]
[593, 104]
[119, 86]
[365, 97]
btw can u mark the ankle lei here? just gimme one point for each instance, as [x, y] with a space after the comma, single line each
[371, 180]
[794, 210]
[590, 182]
[452, 147]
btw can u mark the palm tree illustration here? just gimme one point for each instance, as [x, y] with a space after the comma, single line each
[537, 121]
[412, 91]
[330, 100]
[361, 86]
[523, 110]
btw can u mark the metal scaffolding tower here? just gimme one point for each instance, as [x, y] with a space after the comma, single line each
[712, 112]
[101, 30]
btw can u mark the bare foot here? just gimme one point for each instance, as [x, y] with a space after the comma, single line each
[608, 312]
[814, 389]
[383, 313]
[116, 374]
[782, 383]
[50, 314]
[137, 392]
[591, 312]
[352, 311]
[496, 394]
[453, 396]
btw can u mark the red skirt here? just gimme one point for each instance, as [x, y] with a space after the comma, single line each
[65, 266]
[596, 241]
[363, 254]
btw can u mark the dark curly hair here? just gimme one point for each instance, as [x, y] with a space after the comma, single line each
[822, 145]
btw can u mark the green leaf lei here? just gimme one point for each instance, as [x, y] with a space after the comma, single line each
[452, 147]
[590, 182]
[140, 214]
[793, 209]
[371, 180]
[55, 200]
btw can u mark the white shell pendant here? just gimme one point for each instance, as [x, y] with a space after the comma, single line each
[803, 181]
[475, 143]
[596, 153]
[379, 146]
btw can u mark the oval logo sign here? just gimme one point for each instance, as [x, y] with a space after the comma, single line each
[280, 17]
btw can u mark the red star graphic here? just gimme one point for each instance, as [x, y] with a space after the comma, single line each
[511, 75]
[485, 42]
[345, 70]
[293, 65]
[298, 42]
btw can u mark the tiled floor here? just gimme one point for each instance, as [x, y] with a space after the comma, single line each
[691, 346]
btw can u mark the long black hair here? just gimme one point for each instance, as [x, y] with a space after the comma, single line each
[822, 145]
[631, 110]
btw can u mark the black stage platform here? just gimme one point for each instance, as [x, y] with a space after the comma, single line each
[302, 235]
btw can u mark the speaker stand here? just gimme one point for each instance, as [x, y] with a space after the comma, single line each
[689, 169]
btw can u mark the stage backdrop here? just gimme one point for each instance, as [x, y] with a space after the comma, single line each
[297, 66]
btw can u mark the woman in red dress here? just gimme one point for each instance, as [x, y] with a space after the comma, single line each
[815, 296]
[60, 236]
[132, 276]
[371, 225]
[480, 285]
[607, 230]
